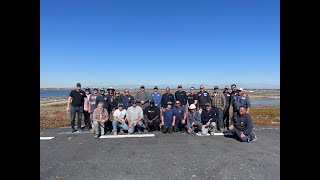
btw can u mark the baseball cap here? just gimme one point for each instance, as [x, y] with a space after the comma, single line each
[134, 102]
[156, 87]
[151, 101]
[142, 86]
[240, 89]
[226, 87]
[78, 85]
[179, 86]
[169, 102]
[120, 104]
[101, 89]
[192, 106]
[216, 87]
[207, 104]
[110, 88]
[95, 88]
[192, 88]
[87, 89]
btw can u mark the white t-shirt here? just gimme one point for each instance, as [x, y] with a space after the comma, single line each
[119, 114]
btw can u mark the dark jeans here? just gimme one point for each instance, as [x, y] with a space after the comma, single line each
[87, 120]
[219, 118]
[73, 111]
[236, 133]
[226, 116]
[166, 129]
[152, 127]
[179, 126]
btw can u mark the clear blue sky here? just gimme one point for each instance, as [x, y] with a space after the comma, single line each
[116, 42]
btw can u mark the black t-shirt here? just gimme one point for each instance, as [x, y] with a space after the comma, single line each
[152, 112]
[206, 116]
[77, 98]
[191, 98]
[181, 96]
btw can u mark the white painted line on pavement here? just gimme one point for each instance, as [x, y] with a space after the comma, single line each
[84, 132]
[221, 134]
[123, 136]
[46, 138]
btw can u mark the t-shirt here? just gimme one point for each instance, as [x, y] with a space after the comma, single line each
[92, 101]
[191, 98]
[77, 98]
[152, 112]
[181, 96]
[120, 114]
[168, 117]
[179, 112]
[133, 113]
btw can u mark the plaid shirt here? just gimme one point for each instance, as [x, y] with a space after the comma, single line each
[218, 100]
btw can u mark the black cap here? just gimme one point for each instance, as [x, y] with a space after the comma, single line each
[120, 104]
[179, 86]
[216, 87]
[233, 85]
[101, 89]
[87, 89]
[156, 87]
[78, 85]
[110, 88]
[142, 86]
[152, 101]
[134, 102]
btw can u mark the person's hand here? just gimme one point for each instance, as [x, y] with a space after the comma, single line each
[142, 102]
[123, 121]
[222, 109]
[183, 121]
[129, 125]
[208, 123]
[173, 123]
[68, 109]
[162, 123]
[192, 124]
[89, 110]
[242, 135]
[189, 129]
[231, 127]
[135, 123]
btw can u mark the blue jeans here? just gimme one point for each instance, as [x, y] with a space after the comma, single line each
[139, 126]
[116, 124]
[73, 111]
[236, 133]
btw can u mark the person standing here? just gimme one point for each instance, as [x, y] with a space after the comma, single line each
[93, 105]
[181, 116]
[203, 98]
[181, 96]
[227, 95]
[167, 97]
[156, 97]
[241, 99]
[218, 102]
[142, 97]
[192, 98]
[116, 100]
[86, 113]
[233, 94]
[76, 100]
[126, 99]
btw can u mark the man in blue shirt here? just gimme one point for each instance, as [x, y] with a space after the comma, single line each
[181, 117]
[126, 99]
[241, 99]
[156, 97]
[168, 119]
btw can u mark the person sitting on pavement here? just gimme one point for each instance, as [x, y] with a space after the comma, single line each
[181, 116]
[208, 120]
[134, 116]
[152, 117]
[168, 119]
[119, 120]
[100, 116]
[193, 120]
[242, 126]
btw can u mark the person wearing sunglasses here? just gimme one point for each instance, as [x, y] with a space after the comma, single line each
[181, 116]
[203, 98]
[116, 99]
[168, 119]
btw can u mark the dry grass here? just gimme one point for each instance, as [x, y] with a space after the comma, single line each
[56, 115]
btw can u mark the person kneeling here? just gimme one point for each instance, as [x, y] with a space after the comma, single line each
[119, 120]
[208, 120]
[151, 117]
[168, 119]
[100, 116]
[193, 120]
[241, 126]
[134, 115]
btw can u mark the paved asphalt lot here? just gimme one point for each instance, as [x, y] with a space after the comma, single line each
[165, 156]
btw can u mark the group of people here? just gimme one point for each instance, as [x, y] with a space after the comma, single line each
[109, 111]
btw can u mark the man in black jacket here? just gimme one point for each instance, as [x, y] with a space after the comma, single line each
[241, 126]
[208, 120]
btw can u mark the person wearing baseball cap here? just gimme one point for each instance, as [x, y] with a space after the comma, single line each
[193, 120]
[168, 119]
[241, 99]
[233, 93]
[203, 97]
[181, 96]
[86, 113]
[76, 100]
[93, 105]
[181, 117]
[167, 97]
[156, 97]
[192, 98]
[152, 117]
[102, 98]
[126, 99]
[142, 97]
[208, 120]
[218, 102]
[134, 116]
[119, 120]
[227, 96]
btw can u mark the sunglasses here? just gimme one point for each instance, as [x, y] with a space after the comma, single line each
[201, 88]
[117, 93]
[177, 103]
